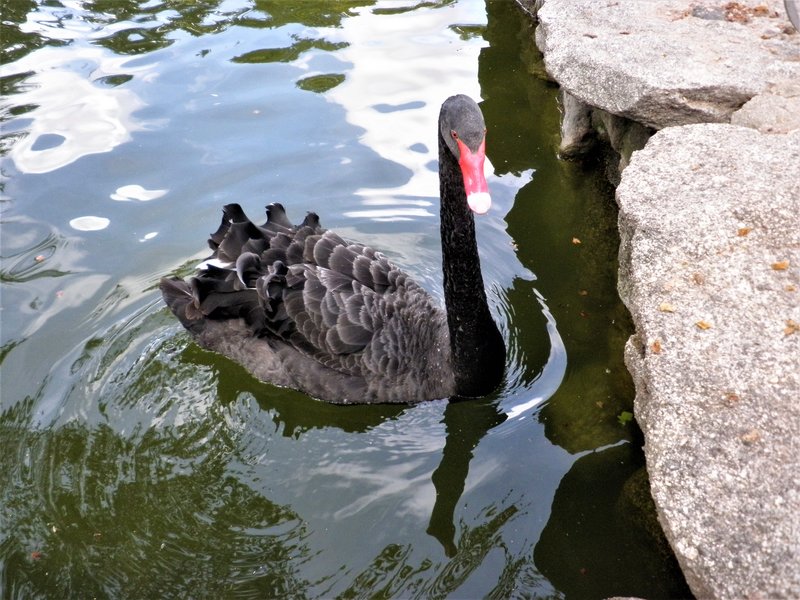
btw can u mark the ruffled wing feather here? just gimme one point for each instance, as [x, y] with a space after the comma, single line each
[329, 299]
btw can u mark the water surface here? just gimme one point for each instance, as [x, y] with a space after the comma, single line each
[136, 464]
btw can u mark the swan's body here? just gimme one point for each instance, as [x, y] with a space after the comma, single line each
[299, 306]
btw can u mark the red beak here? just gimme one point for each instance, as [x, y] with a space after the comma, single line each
[475, 186]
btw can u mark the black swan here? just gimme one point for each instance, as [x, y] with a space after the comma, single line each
[299, 306]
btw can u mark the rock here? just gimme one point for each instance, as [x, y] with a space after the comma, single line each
[623, 136]
[776, 111]
[531, 6]
[793, 10]
[671, 62]
[583, 126]
[710, 271]
[577, 133]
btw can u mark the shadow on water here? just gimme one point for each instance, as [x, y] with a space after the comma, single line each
[137, 464]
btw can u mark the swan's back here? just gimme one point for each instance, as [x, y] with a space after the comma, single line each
[301, 307]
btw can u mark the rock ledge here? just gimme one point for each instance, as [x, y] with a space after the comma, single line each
[709, 255]
[669, 62]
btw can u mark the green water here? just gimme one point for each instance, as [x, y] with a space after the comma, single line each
[136, 465]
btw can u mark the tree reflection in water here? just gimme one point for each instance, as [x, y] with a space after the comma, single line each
[98, 515]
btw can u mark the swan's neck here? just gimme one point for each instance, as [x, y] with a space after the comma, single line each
[477, 348]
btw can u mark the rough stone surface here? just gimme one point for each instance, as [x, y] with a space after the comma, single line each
[774, 111]
[668, 62]
[623, 136]
[710, 271]
[577, 132]
[583, 125]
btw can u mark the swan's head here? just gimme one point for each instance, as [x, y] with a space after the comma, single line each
[463, 130]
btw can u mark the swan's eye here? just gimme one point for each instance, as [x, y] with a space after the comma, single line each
[454, 134]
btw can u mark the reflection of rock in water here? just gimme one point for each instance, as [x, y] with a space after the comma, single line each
[586, 511]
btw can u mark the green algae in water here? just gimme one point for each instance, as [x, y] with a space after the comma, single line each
[320, 83]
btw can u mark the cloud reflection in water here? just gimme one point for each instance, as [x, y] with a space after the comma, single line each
[73, 117]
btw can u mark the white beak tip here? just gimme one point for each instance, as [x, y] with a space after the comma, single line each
[479, 202]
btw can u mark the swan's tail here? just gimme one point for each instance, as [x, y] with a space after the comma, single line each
[179, 297]
[227, 286]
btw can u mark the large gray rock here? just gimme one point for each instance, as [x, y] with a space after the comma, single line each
[710, 271]
[668, 62]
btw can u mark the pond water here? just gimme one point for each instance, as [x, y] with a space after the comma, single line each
[137, 465]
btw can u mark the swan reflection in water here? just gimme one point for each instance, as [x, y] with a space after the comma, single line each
[465, 422]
